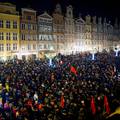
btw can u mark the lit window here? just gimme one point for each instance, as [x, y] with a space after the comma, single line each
[1, 36]
[15, 46]
[29, 26]
[29, 47]
[14, 36]
[1, 23]
[7, 24]
[1, 47]
[34, 37]
[15, 24]
[23, 36]
[8, 47]
[23, 26]
[34, 47]
[34, 27]
[7, 36]
[40, 47]
[29, 37]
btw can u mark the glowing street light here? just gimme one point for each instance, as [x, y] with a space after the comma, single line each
[116, 51]
[93, 56]
[50, 61]
[93, 53]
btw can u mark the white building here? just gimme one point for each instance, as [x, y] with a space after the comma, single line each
[46, 43]
[58, 29]
[69, 31]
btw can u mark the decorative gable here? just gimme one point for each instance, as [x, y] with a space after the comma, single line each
[45, 15]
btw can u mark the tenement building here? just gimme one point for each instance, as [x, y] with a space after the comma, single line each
[30, 35]
[9, 31]
[46, 43]
[59, 29]
[69, 31]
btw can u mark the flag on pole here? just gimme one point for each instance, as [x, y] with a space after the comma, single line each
[93, 108]
[62, 102]
[106, 105]
[73, 70]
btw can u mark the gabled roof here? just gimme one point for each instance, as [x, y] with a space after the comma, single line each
[80, 20]
[45, 15]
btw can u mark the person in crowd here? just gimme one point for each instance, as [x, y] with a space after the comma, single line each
[72, 88]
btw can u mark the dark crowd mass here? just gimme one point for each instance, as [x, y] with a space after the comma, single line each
[73, 87]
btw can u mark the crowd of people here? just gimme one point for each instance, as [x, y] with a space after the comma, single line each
[36, 90]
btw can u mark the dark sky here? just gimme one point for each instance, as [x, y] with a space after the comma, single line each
[108, 8]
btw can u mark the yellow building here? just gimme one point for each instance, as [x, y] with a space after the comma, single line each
[9, 31]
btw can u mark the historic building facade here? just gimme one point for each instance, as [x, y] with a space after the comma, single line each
[9, 31]
[28, 34]
[46, 43]
[59, 29]
[96, 34]
[69, 31]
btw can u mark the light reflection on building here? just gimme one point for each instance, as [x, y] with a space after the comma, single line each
[31, 35]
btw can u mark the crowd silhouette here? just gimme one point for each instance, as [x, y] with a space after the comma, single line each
[73, 87]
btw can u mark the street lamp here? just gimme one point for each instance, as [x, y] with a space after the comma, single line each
[116, 51]
[50, 61]
[93, 53]
[50, 57]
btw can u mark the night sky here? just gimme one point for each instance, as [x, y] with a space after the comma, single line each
[108, 8]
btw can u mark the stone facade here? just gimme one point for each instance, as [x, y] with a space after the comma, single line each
[9, 31]
[36, 36]
[28, 34]
[46, 43]
[58, 29]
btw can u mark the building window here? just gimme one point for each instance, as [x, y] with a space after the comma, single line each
[1, 36]
[1, 23]
[7, 36]
[29, 37]
[8, 47]
[34, 47]
[40, 47]
[34, 37]
[29, 26]
[23, 36]
[23, 26]
[7, 24]
[1, 47]
[15, 24]
[14, 36]
[45, 46]
[40, 37]
[15, 46]
[34, 27]
[29, 47]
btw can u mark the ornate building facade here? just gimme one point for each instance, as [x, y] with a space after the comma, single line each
[46, 43]
[59, 29]
[9, 31]
[28, 34]
[94, 34]
[69, 31]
